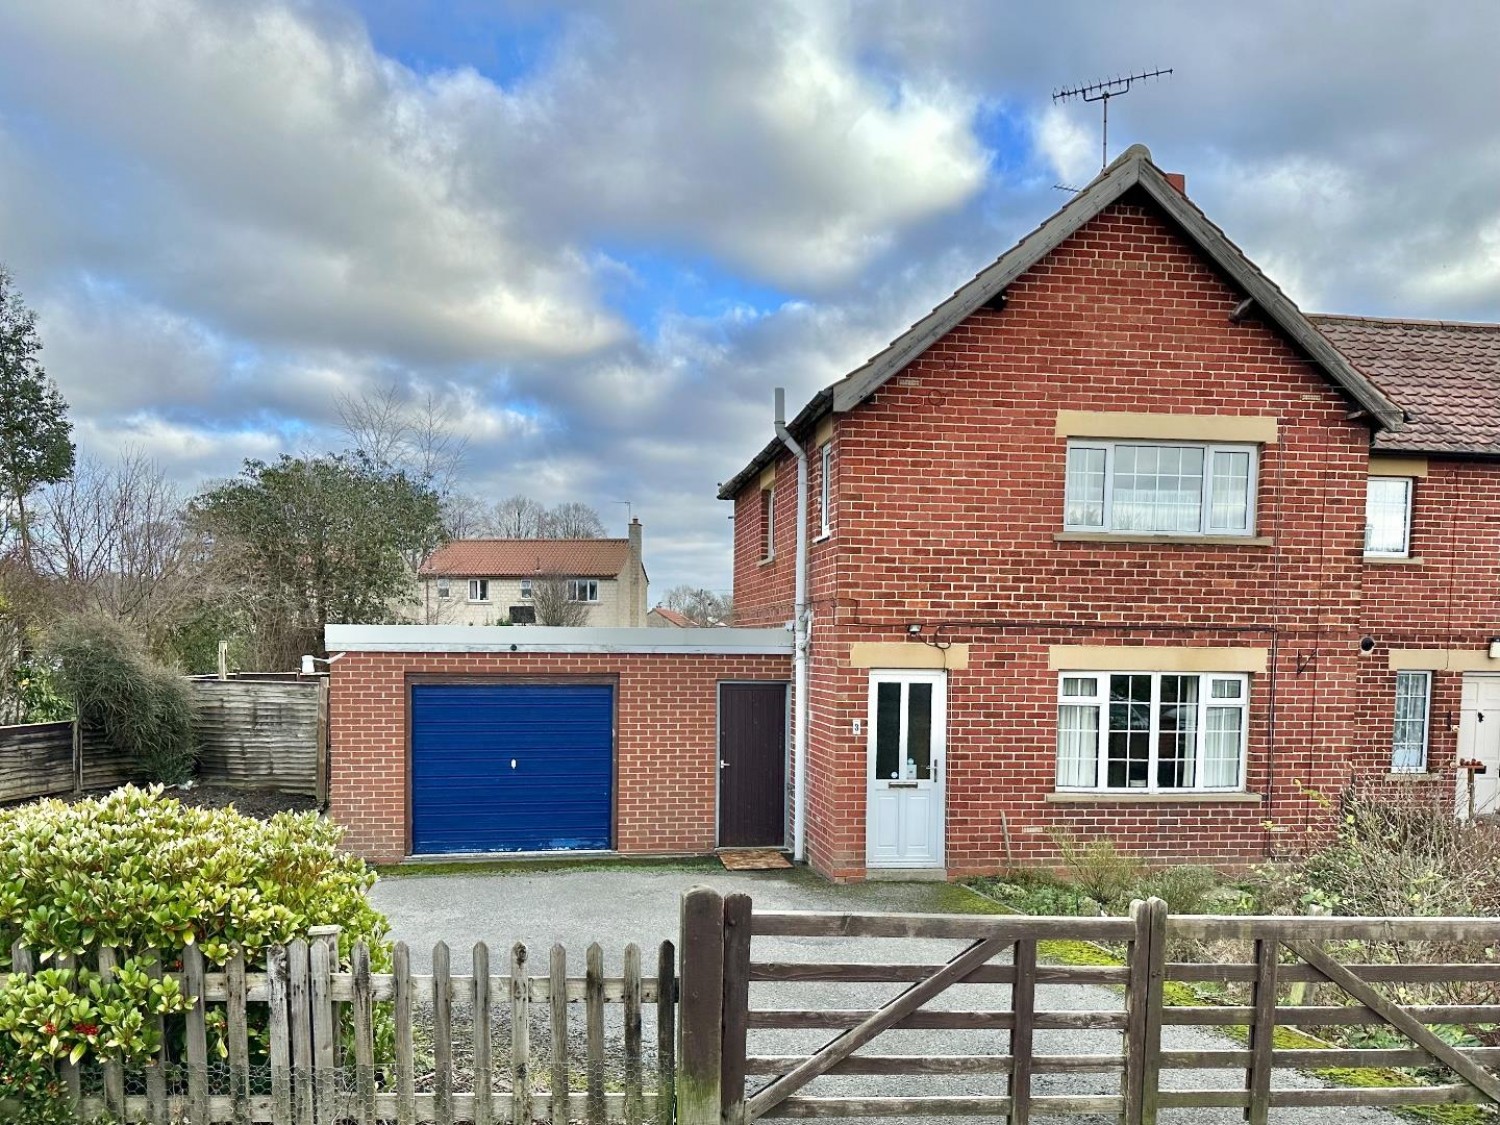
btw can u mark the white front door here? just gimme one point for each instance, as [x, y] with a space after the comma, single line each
[1479, 737]
[907, 742]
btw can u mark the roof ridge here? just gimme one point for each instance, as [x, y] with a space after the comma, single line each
[541, 539]
[1424, 322]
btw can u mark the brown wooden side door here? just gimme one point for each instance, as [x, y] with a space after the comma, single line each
[752, 765]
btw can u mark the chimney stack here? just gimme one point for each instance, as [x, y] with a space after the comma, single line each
[1178, 181]
[636, 587]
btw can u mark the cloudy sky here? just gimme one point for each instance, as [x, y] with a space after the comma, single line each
[605, 231]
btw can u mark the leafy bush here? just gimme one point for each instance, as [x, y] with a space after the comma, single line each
[138, 871]
[143, 708]
[1189, 889]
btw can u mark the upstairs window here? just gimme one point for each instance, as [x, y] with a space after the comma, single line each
[526, 589]
[1160, 489]
[444, 590]
[1145, 732]
[1388, 517]
[825, 491]
[767, 524]
[583, 590]
[479, 589]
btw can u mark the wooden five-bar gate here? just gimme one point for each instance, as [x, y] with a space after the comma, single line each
[723, 1082]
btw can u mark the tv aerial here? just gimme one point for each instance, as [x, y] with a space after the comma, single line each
[1102, 92]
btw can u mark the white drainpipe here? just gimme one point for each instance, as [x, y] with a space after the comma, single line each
[800, 625]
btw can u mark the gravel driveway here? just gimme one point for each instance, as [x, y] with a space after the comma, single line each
[619, 906]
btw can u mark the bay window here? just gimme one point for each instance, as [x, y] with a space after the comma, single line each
[1160, 488]
[1147, 732]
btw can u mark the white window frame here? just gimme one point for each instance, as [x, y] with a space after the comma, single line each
[479, 590]
[1405, 550]
[825, 492]
[1205, 501]
[1425, 678]
[588, 585]
[1100, 700]
[526, 594]
[444, 588]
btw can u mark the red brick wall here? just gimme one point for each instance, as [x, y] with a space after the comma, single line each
[1446, 597]
[950, 487]
[666, 751]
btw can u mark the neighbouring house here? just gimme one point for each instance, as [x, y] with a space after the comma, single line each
[500, 581]
[663, 618]
[1117, 542]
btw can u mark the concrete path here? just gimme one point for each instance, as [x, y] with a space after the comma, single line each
[623, 905]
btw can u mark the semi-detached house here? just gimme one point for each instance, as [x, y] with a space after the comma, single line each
[1118, 542]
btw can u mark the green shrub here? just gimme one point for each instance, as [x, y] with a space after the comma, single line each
[143, 708]
[1189, 889]
[138, 871]
[1099, 868]
[1036, 892]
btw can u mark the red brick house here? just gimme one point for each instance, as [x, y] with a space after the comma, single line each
[1118, 542]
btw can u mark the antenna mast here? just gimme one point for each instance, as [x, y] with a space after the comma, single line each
[1102, 92]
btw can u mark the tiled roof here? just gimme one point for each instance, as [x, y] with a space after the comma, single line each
[1445, 375]
[518, 558]
[672, 616]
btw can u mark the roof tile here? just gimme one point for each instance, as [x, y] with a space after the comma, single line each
[518, 558]
[1445, 375]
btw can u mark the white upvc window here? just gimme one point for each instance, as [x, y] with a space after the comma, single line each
[444, 589]
[526, 589]
[825, 491]
[1413, 705]
[1388, 517]
[479, 589]
[1160, 488]
[583, 590]
[1151, 732]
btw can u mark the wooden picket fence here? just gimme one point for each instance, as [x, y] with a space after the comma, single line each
[327, 1063]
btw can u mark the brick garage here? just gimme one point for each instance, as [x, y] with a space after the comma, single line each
[665, 739]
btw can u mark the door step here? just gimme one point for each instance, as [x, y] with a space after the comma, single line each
[753, 859]
[906, 874]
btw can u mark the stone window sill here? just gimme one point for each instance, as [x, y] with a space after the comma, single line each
[1165, 540]
[767, 561]
[1414, 777]
[1080, 798]
[1393, 560]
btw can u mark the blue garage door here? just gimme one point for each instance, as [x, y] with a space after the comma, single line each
[511, 767]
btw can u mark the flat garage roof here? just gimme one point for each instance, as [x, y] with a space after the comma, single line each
[541, 638]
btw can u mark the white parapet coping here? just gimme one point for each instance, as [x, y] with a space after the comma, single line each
[542, 638]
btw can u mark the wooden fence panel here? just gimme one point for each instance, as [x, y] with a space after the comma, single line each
[256, 734]
[36, 760]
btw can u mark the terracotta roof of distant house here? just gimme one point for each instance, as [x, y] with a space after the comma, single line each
[518, 558]
[1444, 374]
[682, 621]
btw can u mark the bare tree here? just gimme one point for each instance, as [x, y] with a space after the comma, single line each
[573, 520]
[552, 595]
[116, 538]
[418, 436]
[702, 606]
[466, 516]
[519, 517]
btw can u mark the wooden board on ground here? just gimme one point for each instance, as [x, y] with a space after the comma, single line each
[754, 859]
